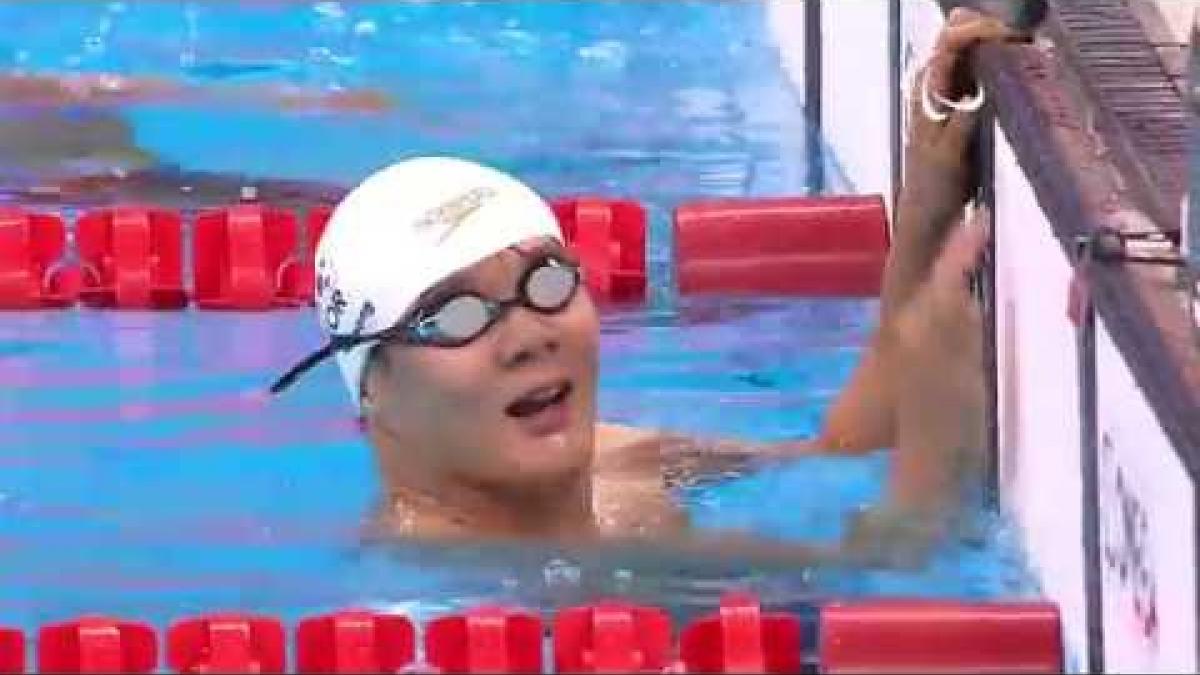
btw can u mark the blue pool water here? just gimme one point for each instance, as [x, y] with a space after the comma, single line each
[143, 473]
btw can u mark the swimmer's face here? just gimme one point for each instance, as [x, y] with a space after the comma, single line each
[514, 408]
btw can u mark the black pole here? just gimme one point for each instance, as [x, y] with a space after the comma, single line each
[984, 160]
[812, 95]
[1089, 465]
[895, 72]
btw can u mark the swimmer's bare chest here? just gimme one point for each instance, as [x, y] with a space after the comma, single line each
[630, 496]
[629, 490]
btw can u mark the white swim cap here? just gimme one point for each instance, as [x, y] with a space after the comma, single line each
[404, 229]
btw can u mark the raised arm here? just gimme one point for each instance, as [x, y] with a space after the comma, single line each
[866, 414]
[932, 348]
[928, 350]
[919, 388]
[933, 351]
[930, 201]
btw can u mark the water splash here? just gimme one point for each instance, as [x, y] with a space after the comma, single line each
[559, 573]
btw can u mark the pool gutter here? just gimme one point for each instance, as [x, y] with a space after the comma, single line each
[1089, 166]
[1085, 130]
[1100, 131]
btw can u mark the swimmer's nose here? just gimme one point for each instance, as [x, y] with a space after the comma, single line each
[525, 337]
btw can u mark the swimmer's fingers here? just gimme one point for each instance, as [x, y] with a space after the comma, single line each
[932, 123]
[959, 256]
[952, 313]
[942, 319]
[964, 29]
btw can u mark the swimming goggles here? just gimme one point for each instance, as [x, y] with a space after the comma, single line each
[546, 287]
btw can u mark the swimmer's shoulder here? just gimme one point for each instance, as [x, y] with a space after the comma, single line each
[629, 487]
[621, 448]
[625, 449]
[682, 459]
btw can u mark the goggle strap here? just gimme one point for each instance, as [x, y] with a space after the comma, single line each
[307, 363]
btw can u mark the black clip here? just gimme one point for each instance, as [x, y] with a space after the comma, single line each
[1110, 245]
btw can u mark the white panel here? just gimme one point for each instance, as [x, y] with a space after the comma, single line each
[920, 21]
[1150, 612]
[785, 21]
[855, 94]
[1177, 14]
[1148, 542]
[1038, 398]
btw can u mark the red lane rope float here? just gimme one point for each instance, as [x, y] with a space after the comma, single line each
[898, 636]
[612, 637]
[884, 636]
[253, 256]
[12, 650]
[227, 643]
[741, 638]
[825, 246]
[97, 644]
[244, 258]
[487, 639]
[131, 258]
[32, 275]
[609, 236]
[355, 641]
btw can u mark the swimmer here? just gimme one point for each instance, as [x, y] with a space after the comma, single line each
[62, 141]
[92, 158]
[109, 89]
[468, 345]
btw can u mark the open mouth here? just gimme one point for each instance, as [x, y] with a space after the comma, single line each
[540, 400]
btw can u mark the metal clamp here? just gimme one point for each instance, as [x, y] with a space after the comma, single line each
[1147, 247]
[1141, 247]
